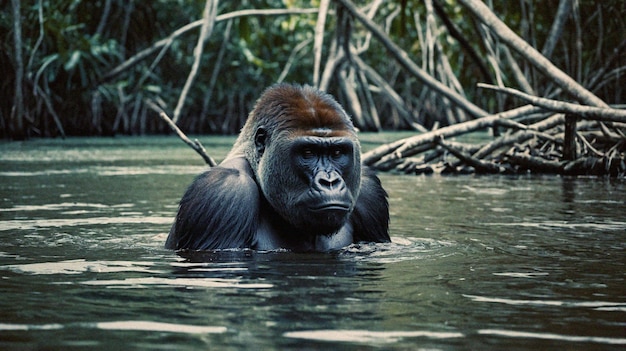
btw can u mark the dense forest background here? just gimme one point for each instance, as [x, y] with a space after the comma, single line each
[99, 67]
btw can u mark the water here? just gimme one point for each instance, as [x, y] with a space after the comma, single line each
[477, 262]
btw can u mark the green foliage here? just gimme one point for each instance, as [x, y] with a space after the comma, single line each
[69, 47]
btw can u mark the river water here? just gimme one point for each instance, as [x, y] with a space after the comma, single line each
[476, 262]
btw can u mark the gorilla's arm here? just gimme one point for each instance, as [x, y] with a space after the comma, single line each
[370, 218]
[219, 210]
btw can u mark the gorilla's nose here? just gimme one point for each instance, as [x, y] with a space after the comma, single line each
[328, 181]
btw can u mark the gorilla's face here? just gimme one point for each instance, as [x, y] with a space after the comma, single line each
[312, 181]
[306, 157]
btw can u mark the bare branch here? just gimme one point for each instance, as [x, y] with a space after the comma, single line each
[292, 58]
[214, 74]
[393, 97]
[208, 20]
[156, 46]
[403, 59]
[536, 163]
[587, 112]
[565, 6]
[480, 165]
[405, 147]
[195, 144]
[531, 54]
[319, 40]
[50, 107]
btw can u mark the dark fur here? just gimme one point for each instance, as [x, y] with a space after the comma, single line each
[264, 195]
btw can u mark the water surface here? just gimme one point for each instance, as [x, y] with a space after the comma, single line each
[477, 262]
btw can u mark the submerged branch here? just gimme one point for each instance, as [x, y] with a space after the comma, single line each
[480, 165]
[404, 147]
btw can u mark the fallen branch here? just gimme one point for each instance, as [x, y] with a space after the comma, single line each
[536, 163]
[195, 144]
[586, 112]
[480, 165]
[596, 165]
[404, 147]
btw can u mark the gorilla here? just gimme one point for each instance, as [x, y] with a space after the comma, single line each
[293, 180]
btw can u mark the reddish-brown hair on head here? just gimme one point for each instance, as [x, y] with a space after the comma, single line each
[301, 109]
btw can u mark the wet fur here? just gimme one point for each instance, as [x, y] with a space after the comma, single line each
[247, 201]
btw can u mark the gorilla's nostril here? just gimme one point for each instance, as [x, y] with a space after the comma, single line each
[328, 180]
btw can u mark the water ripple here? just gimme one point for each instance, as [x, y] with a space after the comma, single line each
[551, 336]
[122, 325]
[26, 327]
[608, 225]
[368, 336]
[31, 224]
[110, 171]
[160, 327]
[586, 304]
[400, 249]
[81, 266]
[133, 283]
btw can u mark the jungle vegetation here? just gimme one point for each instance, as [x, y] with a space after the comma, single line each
[109, 67]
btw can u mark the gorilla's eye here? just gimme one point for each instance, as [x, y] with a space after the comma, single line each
[337, 152]
[307, 152]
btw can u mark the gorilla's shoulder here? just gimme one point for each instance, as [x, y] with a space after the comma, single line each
[370, 218]
[219, 210]
[228, 179]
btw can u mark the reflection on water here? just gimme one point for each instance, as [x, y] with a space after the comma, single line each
[367, 336]
[476, 262]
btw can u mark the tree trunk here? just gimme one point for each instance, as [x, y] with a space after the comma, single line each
[403, 59]
[505, 34]
[18, 131]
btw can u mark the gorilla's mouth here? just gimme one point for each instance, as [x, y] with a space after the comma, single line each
[327, 217]
[331, 207]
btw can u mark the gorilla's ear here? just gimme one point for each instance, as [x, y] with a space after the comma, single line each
[260, 136]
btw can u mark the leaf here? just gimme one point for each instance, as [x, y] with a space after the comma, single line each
[73, 61]
[153, 88]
